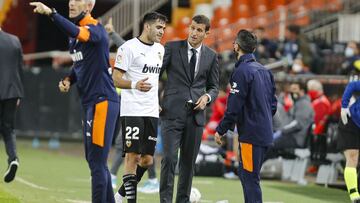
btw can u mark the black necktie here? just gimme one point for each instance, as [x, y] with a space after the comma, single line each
[192, 64]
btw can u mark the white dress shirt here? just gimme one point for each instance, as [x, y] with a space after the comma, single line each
[198, 54]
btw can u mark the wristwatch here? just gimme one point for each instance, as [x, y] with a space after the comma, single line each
[53, 12]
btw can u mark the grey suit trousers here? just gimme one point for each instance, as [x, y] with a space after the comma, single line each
[184, 134]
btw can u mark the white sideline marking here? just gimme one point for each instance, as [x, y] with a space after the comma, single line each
[31, 184]
[77, 201]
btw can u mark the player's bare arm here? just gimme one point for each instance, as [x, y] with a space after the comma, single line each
[119, 82]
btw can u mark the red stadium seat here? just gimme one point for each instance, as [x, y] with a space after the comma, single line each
[259, 6]
[316, 4]
[240, 10]
[183, 23]
[225, 39]
[335, 5]
[301, 16]
[277, 3]
[222, 12]
[170, 34]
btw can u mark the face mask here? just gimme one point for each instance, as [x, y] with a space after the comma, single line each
[297, 68]
[294, 96]
[313, 94]
[77, 19]
[349, 52]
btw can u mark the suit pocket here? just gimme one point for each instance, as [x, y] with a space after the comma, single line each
[170, 92]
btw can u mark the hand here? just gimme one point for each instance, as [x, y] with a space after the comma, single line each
[143, 86]
[345, 112]
[277, 134]
[201, 102]
[64, 85]
[218, 138]
[41, 8]
[109, 27]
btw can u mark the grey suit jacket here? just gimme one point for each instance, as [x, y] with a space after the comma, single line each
[179, 87]
[11, 65]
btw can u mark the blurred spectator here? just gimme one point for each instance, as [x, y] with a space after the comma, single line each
[114, 37]
[301, 116]
[266, 48]
[320, 104]
[322, 109]
[299, 67]
[296, 46]
[352, 55]
[280, 118]
[217, 110]
[285, 97]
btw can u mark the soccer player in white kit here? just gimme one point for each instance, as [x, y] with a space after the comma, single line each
[137, 67]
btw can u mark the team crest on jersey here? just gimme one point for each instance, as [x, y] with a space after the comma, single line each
[118, 58]
[160, 56]
[233, 89]
[128, 143]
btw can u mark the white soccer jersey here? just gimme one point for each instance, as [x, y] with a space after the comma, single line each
[140, 61]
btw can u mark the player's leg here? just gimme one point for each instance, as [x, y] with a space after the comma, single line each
[190, 145]
[349, 142]
[172, 131]
[99, 130]
[151, 185]
[132, 131]
[7, 130]
[350, 172]
[251, 159]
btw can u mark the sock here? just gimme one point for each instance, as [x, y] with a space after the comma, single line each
[139, 174]
[130, 185]
[350, 177]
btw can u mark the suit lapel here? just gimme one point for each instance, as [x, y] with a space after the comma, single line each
[184, 58]
[202, 62]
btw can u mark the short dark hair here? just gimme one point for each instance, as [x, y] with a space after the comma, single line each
[152, 17]
[201, 19]
[294, 29]
[247, 41]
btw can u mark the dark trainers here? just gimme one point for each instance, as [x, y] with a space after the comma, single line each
[10, 173]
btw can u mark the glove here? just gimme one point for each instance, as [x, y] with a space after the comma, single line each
[345, 112]
[277, 134]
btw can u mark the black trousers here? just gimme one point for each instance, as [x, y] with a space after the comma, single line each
[183, 134]
[7, 120]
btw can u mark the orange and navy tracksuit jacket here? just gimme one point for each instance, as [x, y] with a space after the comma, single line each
[89, 51]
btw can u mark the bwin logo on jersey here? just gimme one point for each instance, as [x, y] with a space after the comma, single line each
[77, 56]
[151, 69]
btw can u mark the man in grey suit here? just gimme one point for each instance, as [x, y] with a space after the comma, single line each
[193, 80]
[11, 90]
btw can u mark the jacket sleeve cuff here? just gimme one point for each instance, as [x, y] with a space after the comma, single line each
[209, 98]
[220, 131]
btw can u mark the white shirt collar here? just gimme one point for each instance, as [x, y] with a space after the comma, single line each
[197, 50]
